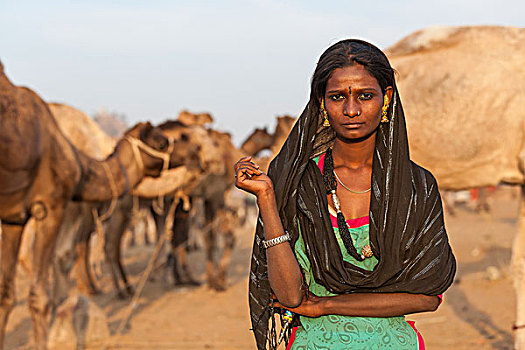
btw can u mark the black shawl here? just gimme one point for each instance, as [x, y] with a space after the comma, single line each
[407, 232]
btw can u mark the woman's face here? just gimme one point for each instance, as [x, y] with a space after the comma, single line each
[353, 101]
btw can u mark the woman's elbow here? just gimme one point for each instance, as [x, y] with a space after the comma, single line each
[431, 303]
[291, 300]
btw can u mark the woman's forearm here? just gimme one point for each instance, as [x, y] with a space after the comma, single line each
[284, 273]
[378, 304]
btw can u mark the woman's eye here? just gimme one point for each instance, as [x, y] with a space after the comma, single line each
[337, 97]
[366, 96]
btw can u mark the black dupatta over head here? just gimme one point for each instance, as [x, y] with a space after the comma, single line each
[407, 232]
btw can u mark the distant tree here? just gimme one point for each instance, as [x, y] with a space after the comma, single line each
[114, 124]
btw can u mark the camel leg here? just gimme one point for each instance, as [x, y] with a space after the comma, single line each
[448, 203]
[482, 204]
[224, 262]
[113, 259]
[185, 269]
[123, 274]
[179, 241]
[85, 280]
[210, 246]
[160, 226]
[112, 253]
[61, 268]
[39, 300]
[115, 228]
[147, 241]
[11, 239]
[518, 265]
[160, 223]
[118, 258]
[174, 259]
[64, 256]
[133, 233]
[211, 209]
[84, 276]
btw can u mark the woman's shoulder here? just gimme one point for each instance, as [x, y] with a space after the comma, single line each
[424, 178]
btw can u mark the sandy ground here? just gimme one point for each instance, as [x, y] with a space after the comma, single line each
[477, 313]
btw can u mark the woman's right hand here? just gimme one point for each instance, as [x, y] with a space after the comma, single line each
[250, 178]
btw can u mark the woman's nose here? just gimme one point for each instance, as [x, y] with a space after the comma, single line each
[351, 108]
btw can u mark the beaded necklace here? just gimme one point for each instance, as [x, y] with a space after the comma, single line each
[330, 184]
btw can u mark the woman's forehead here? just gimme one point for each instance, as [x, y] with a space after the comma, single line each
[355, 76]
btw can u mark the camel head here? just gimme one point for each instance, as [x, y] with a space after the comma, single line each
[200, 119]
[198, 150]
[285, 123]
[259, 139]
[157, 146]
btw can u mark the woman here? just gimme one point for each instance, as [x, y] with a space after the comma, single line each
[350, 235]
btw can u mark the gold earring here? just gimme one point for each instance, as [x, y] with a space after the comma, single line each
[384, 109]
[325, 114]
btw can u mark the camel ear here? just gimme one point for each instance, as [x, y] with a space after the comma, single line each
[145, 131]
[1, 67]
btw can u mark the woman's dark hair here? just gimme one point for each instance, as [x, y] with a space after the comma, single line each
[346, 53]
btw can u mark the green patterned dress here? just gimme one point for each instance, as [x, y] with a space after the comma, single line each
[336, 332]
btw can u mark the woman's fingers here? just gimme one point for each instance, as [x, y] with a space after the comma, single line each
[249, 166]
[244, 161]
[248, 172]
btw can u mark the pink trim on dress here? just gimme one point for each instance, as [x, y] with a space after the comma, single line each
[320, 162]
[420, 341]
[352, 223]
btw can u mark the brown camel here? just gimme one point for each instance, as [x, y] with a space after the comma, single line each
[211, 185]
[188, 118]
[40, 171]
[282, 129]
[261, 139]
[199, 155]
[212, 188]
[78, 224]
[463, 89]
[258, 140]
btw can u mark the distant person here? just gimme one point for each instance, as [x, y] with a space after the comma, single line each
[351, 235]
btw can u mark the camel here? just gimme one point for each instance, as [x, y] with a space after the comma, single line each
[79, 223]
[463, 89]
[40, 171]
[201, 119]
[261, 139]
[212, 189]
[280, 134]
[200, 150]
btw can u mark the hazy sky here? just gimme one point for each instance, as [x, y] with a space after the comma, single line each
[243, 61]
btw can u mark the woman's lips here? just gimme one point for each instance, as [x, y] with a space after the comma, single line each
[352, 125]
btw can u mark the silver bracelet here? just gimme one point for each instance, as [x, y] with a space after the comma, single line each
[277, 240]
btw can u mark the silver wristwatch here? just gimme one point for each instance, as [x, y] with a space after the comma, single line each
[277, 240]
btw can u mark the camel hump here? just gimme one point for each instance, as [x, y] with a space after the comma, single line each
[440, 37]
[425, 39]
[85, 134]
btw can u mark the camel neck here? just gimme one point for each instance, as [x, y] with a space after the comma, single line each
[114, 176]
